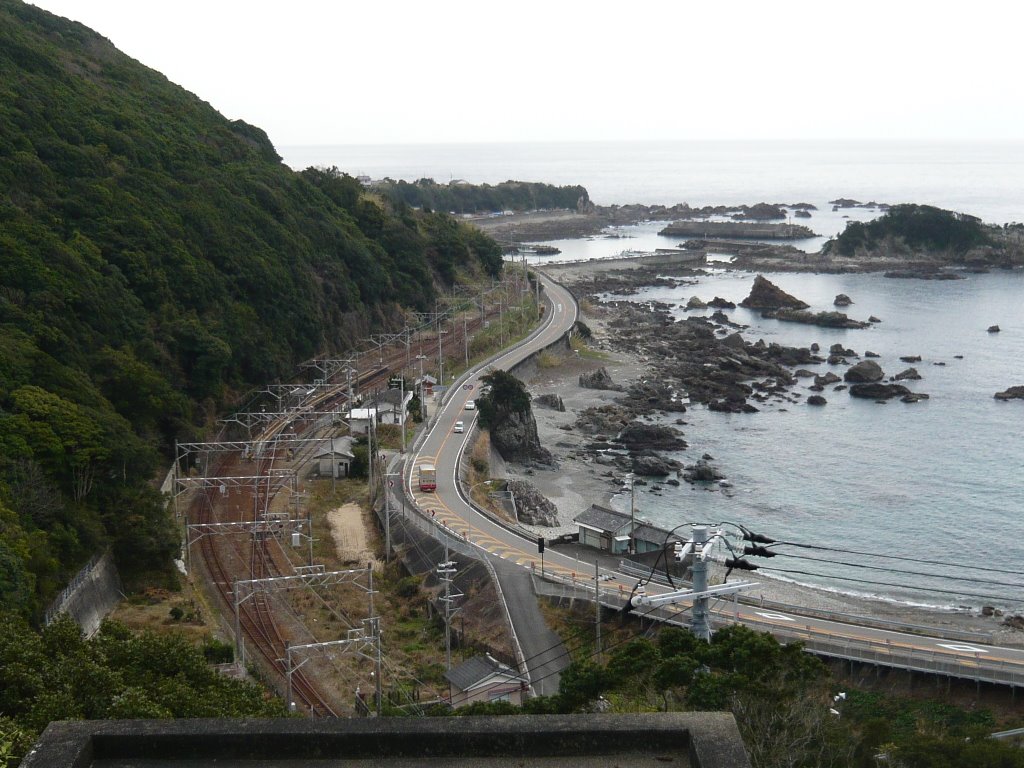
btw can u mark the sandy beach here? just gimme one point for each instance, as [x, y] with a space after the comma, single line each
[579, 482]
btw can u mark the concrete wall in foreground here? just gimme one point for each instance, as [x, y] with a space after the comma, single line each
[693, 739]
[90, 596]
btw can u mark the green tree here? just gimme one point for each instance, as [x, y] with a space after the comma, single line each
[503, 394]
[633, 663]
[157, 259]
[581, 682]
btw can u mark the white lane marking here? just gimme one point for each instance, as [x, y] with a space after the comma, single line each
[962, 647]
[776, 616]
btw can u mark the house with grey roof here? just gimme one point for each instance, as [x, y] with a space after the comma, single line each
[392, 406]
[608, 530]
[484, 678]
[335, 457]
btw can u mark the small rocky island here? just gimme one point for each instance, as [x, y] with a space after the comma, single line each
[779, 305]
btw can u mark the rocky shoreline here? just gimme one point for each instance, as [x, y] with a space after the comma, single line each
[740, 230]
[593, 413]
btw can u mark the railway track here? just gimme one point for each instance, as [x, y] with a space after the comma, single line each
[256, 616]
[227, 562]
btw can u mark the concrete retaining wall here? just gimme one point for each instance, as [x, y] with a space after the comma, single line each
[90, 596]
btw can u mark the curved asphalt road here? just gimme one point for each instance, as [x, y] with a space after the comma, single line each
[444, 448]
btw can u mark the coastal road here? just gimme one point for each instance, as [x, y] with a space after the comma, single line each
[443, 448]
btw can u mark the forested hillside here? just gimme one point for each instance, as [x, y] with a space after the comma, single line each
[917, 229]
[155, 258]
[459, 197]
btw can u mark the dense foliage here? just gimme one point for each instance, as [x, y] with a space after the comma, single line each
[58, 675]
[154, 258]
[784, 703]
[503, 394]
[920, 228]
[459, 197]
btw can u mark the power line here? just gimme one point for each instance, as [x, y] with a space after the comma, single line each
[890, 584]
[943, 563]
[899, 570]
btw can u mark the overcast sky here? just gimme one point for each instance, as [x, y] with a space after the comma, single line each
[391, 71]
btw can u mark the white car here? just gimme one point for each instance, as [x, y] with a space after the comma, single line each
[459, 427]
[470, 405]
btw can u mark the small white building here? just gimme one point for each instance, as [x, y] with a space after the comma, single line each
[359, 420]
[484, 678]
[335, 457]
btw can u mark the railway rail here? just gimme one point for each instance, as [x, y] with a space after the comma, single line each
[227, 562]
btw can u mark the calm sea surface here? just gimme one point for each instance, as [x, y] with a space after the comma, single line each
[939, 480]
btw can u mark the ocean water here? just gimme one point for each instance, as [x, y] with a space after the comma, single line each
[941, 480]
[983, 179]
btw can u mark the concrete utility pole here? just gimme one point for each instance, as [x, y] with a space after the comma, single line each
[370, 429]
[597, 611]
[423, 398]
[440, 353]
[446, 572]
[632, 512]
[401, 406]
[387, 520]
[351, 394]
[699, 625]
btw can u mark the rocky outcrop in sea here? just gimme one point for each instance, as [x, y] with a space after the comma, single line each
[764, 294]
[1013, 393]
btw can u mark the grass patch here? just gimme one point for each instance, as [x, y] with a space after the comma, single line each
[548, 359]
[584, 351]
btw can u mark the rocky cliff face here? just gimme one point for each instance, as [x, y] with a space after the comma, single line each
[514, 435]
[532, 507]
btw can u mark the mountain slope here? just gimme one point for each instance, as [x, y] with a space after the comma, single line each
[155, 257]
